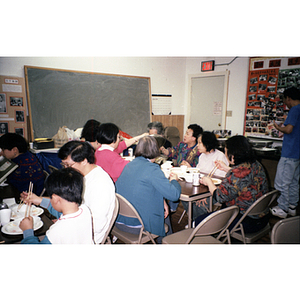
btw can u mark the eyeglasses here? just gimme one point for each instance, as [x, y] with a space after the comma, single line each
[65, 165]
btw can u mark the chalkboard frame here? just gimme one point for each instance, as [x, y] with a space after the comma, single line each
[130, 113]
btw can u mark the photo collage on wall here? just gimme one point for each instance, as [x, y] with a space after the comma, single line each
[12, 106]
[263, 105]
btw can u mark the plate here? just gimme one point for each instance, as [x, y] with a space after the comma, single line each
[216, 181]
[34, 212]
[12, 228]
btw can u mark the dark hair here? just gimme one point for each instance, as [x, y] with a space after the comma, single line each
[66, 183]
[239, 147]
[209, 140]
[197, 130]
[11, 140]
[147, 147]
[292, 92]
[107, 133]
[90, 129]
[78, 150]
[156, 125]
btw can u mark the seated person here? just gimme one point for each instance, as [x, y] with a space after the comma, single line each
[145, 186]
[15, 148]
[99, 192]
[89, 133]
[186, 151]
[107, 156]
[156, 128]
[74, 226]
[209, 155]
[244, 183]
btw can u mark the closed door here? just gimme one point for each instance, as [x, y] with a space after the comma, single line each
[208, 96]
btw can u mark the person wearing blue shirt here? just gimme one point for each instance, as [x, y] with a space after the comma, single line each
[287, 174]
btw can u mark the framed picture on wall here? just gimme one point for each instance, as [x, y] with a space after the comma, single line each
[16, 101]
[3, 108]
[3, 128]
[20, 116]
[19, 131]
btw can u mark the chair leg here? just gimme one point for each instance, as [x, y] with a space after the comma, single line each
[181, 216]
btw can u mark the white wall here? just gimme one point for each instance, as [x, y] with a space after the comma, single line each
[237, 86]
[169, 75]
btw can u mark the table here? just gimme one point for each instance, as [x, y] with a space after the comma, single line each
[11, 239]
[192, 193]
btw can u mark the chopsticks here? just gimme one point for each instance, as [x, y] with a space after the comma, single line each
[212, 172]
[22, 202]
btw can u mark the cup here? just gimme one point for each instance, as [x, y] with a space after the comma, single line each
[5, 216]
[188, 177]
[196, 179]
[183, 169]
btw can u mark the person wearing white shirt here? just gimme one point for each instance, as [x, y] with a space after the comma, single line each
[99, 192]
[207, 146]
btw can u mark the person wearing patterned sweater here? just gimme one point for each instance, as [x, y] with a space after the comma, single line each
[243, 184]
[186, 151]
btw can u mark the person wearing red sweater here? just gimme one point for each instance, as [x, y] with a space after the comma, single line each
[108, 155]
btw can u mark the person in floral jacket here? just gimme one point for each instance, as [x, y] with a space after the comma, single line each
[244, 183]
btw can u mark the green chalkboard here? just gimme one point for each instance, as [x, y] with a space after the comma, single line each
[59, 98]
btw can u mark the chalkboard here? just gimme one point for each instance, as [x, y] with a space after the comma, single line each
[59, 98]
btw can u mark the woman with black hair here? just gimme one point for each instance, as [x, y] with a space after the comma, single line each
[209, 154]
[244, 183]
[107, 156]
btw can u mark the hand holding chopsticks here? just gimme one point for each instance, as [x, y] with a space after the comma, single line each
[212, 172]
[28, 196]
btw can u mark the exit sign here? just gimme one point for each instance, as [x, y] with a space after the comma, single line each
[207, 66]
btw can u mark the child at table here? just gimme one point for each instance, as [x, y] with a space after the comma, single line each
[74, 224]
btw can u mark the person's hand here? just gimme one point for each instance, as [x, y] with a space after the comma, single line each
[26, 223]
[173, 176]
[33, 198]
[201, 202]
[206, 180]
[185, 163]
[222, 166]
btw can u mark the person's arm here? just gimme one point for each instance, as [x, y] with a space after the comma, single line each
[26, 225]
[285, 129]
[135, 139]
[222, 166]
[207, 181]
[47, 204]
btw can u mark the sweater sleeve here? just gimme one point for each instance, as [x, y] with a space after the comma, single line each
[169, 190]
[47, 204]
[30, 238]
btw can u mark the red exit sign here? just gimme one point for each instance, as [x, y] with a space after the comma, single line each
[207, 66]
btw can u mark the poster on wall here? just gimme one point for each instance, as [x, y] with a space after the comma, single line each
[13, 106]
[264, 103]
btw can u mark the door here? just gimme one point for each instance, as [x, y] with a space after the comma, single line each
[208, 96]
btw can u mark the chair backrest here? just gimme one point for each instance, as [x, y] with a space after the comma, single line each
[112, 222]
[217, 222]
[52, 168]
[286, 231]
[46, 174]
[127, 209]
[258, 207]
[172, 134]
[262, 204]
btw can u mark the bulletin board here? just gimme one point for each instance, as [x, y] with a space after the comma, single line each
[69, 98]
[13, 106]
[267, 80]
